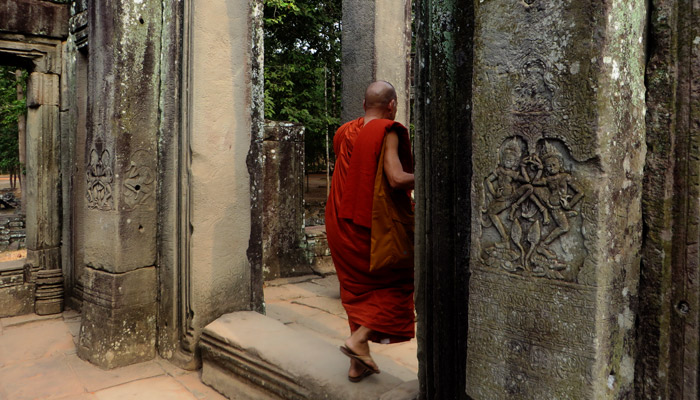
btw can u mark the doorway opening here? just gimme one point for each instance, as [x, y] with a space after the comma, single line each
[303, 84]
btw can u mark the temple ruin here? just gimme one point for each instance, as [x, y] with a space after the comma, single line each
[557, 196]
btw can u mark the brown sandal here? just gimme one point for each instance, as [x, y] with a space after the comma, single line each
[364, 360]
[363, 375]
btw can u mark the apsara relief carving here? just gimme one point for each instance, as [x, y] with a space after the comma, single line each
[139, 182]
[100, 177]
[530, 201]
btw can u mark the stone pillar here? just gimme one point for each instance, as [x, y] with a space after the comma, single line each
[221, 166]
[376, 46]
[43, 172]
[442, 145]
[283, 201]
[120, 285]
[558, 118]
[669, 300]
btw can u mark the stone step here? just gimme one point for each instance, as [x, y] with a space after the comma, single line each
[247, 355]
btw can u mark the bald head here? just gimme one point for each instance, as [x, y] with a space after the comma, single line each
[380, 97]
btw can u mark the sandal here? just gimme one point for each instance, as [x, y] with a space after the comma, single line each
[364, 360]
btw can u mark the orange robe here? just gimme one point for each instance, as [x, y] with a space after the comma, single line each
[381, 300]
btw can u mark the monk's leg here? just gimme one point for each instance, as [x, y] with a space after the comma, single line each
[358, 343]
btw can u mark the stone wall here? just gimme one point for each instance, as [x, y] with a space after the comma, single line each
[12, 232]
[283, 201]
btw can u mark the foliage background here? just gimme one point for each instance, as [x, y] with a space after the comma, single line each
[302, 70]
[10, 110]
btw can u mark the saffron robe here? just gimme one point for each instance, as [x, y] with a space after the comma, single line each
[381, 300]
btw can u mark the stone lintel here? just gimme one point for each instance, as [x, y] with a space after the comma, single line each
[118, 326]
[282, 131]
[35, 17]
[43, 53]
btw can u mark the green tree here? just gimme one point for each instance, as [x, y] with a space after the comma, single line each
[302, 69]
[10, 110]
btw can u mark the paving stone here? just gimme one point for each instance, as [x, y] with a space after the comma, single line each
[326, 324]
[406, 391]
[303, 362]
[193, 382]
[69, 314]
[284, 293]
[83, 396]
[73, 326]
[288, 313]
[326, 287]
[26, 319]
[403, 353]
[169, 368]
[94, 378]
[331, 306]
[44, 379]
[289, 280]
[159, 388]
[34, 341]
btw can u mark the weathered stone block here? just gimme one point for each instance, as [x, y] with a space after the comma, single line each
[16, 289]
[34, 17]
[45, 258]
[283, 202]
[43, 89]
[558, 154]
[112, 338]
[16, 300]
[118, 324]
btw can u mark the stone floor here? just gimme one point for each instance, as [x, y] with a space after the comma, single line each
[312, 304]
[38, 362]
[38, 358]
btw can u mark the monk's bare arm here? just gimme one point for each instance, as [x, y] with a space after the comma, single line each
[397, 177]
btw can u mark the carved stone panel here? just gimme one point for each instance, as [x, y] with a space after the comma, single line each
[100, 177]
[139, 182]
[556, 221]
[533, 339]
[534, 211]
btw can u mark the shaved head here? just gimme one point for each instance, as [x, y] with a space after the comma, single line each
[379, 94]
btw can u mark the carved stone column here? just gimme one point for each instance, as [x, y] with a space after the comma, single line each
[669, 302]
[119, 279]
[43, 172]
[556, 214]
[376, 46]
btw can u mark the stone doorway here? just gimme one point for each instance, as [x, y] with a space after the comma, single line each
[42, 58]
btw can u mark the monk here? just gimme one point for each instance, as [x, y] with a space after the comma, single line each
[379, 303]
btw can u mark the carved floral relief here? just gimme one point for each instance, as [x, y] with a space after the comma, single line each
[100, 178]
